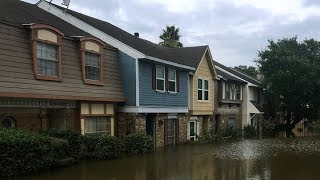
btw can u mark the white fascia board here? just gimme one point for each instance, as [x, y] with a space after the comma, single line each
[149, 109]
[90, 29]
[169, 63]
[101, 35]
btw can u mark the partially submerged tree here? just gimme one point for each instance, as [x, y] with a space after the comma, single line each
[249, 70]
[171, 37]
[291, 77]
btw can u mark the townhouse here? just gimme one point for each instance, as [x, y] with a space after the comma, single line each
[239, 99]
[54, 75]
[62, 69]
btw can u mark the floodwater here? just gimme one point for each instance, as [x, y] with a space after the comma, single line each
[248, 159]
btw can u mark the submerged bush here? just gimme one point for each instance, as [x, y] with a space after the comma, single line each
[139, 142]
[24, 152]
[74, 139]
[101, 146]
[249, 132]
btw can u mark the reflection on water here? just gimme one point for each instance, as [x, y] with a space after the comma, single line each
[256, 159]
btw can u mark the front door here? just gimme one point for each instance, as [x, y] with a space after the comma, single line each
[193, 130]
[150, 126]
[57, 118]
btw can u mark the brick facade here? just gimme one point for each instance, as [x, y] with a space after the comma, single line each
[36, 119]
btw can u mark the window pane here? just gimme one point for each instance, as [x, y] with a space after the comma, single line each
[47, 55]
[206, 95]
[172, 74]
[199, 83]
[90, 124]
[206, 84]
[192, 128]
[172, 86]
[97, 124]
[199, 94]
[160, 72]
[160, 84]
[92, 69]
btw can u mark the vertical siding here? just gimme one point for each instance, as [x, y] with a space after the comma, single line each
[128, 77]
[149, 97]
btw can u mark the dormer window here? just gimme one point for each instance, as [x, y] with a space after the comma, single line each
[46, 42]
[91, 53]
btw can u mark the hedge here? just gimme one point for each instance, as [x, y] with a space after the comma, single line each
[74, 138]
[101, 146]
[137, 143]
[24, 152]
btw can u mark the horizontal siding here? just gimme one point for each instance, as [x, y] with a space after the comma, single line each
[128, 77]
[149, 97]
[16, 69]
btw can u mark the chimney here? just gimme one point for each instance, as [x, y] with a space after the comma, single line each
[136, 34]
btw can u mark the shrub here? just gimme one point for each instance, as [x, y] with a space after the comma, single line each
[23, 152]
[136, 143]
[249, 132]
[101, 146]
[74, 139]
[60, 152]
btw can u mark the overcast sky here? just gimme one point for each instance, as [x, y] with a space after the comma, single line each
[235, 30]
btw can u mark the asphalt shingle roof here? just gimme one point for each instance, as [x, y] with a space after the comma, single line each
[190, 56]
[237, 73]
[17, 12]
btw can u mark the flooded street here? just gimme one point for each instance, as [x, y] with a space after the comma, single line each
[248, 159]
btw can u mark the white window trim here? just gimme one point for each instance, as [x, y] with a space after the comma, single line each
[203, 90]
[164, 79]
[175, 80]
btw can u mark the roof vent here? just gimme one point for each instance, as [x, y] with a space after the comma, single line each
[136, 34]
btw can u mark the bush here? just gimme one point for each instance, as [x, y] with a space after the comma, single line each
[60, 153]
[136, 143]
[101, 146]
[24, 152]
[249, 132]
[74, 138]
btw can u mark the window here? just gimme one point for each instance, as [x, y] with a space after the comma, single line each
[92, 68]
[231, 122]
[172, 80]
[47, 56]
[238, 92]
[98, 124]
[160, 78]
[233, 91]
[46, 52]
[8, 122]
[91, 52]
[203, 90]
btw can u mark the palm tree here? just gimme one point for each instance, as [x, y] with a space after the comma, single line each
[171, 37]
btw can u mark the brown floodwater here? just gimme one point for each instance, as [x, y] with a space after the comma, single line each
[248, 159]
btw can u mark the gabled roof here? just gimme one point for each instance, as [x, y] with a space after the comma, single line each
[239, 75]
[17, 12]
[188, 56]
[228, 77]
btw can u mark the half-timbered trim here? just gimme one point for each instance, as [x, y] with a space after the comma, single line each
[91, 46]
[46, 35]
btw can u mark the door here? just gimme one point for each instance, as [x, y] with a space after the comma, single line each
[57, 118]
[150, 126]
[193, 130]
[171, 133]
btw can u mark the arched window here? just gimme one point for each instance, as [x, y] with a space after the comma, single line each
[46, 52]
[91, 56]
[8, 122]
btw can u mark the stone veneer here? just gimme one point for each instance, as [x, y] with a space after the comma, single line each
[127, 123]
[183, 127]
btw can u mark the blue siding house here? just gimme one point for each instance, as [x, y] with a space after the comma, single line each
[155, 78]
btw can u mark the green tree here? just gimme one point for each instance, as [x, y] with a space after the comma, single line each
[171, 37]
[291, 77]
[249, 70]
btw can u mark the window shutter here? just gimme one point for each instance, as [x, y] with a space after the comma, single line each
[165, 131]
[154, 77]
[166, 79]
[177, 131]
[177, 80]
